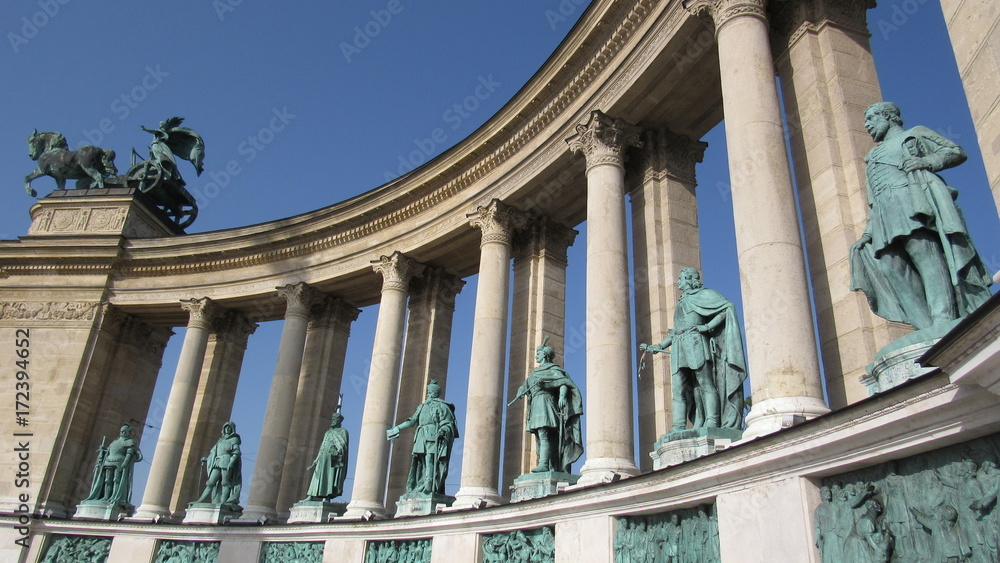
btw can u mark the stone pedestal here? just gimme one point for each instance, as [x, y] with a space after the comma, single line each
[677, 447]
[897, 361]
[210, 513]
[421, 504]
[315, 511]
[114, 210]
[102, 510]
[537, 485]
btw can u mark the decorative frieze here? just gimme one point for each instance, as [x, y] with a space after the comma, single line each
[603, 139]
[497, 221]
[400, 551]
[520, 546]
[681, 535]
[48, 311]
[397, 270]
[297, 551]
[73, 549]
[170, 551]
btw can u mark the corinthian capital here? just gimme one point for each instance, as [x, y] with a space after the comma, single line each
[722, 11]
[201, 312]
[498, 221]
[603, 140]
[300, 299]
[397, 270]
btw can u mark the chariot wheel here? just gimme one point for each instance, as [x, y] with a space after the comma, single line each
[147, 173]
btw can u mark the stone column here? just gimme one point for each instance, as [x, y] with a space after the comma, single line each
[317, 395]
[664, 241]
[481, 449]
[539, 310]
[974, 27]
[781, 347]
[372, 466]
[828, 79]
[425, 357]
[213, 403]
[170, 444]
[270, 462]
[610, 445]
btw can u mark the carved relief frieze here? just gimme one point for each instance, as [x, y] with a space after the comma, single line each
[48, 311]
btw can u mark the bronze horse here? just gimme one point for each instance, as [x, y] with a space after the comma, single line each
[88, 165]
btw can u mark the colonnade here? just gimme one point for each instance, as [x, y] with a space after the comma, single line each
[409, 349]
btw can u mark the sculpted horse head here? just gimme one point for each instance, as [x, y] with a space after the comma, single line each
[38, 143]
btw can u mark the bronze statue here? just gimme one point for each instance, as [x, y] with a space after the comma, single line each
[432, 442]
[707, 364]
[113, 470]
[224, 466]
[89, 165]
[169, 139]
[915, 261]
[554, 408]
[331, 463]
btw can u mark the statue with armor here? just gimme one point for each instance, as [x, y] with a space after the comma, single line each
[224, 466]
[432, 442]
[112, 481]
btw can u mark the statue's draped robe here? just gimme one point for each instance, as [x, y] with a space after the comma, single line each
[691, 350]
[543, 411]
[901, 203]
[432, 442]
[222, 456]
[331, 465]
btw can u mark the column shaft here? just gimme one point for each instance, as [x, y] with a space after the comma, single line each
[481, 450]
[781, 348]
[170, 444]
[270, 462]
[371, 469]
[610, 444]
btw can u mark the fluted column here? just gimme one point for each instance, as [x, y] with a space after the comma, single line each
[267, 470]
[425, 357]
[170, 444]
[610, 445]
[481, 451]
[781, 349]
[317, 395]
[213, 405]
[664, 241]
[372, 467]
[538, 311]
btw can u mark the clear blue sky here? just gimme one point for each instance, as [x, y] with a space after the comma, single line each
[318, 102]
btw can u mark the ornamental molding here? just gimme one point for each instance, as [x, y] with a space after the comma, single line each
[300, 299]
[603, 140]
[335, 313]
[233, 327]
[497, 221]
[437, 287]
[48, 311]
[397, 270]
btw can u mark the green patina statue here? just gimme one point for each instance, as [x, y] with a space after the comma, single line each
[224, 466]
[112, 481]
[432, 442]
[915, 261]
[330, 463]
[554, 409]
[707, 362]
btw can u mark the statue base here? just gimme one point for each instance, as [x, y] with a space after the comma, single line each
[114, 210]
[680, 446]
[896, 363]
[211, 513]
[315, 511]
[102, 510]
[421, 504]
[537, 485]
